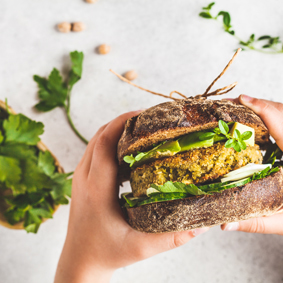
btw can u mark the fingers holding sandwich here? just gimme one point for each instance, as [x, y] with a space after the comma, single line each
[270, 112]
[264, 225]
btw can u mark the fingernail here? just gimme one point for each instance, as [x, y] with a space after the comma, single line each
[234, 226]
[246, 98]
[199, 231]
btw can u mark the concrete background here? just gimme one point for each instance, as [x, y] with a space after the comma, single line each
[171, 48]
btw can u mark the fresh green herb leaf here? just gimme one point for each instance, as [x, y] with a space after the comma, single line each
[18, 128]
[272, 154]
[46, 162]
[272, 46]
[10, 171]
[205, 15]
[27, 175]
[77, 67]
[237, 147]
[230, 143]
[223, 127]
[226, 18]
[54, 92]
[209, 6]
[242, 144]
[246, 135]
[264, 37]
[237, 134]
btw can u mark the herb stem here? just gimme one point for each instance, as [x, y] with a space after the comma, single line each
[272, 44]
[67, 108]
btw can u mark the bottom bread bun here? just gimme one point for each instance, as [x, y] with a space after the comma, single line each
[259, 198]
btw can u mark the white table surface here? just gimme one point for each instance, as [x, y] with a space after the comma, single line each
[171, 48]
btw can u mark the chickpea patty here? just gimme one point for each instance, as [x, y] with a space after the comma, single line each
[192, 167]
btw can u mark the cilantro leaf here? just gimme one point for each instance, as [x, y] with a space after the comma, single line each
[10, 171]
[46, 162]
[77, 67]
[18, 151]
[14, 215]
[18, 128]
[33, 178]
[52, 91]
[61, 187]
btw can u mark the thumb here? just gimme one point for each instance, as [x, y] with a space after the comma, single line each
[264, 225]
[270, 114]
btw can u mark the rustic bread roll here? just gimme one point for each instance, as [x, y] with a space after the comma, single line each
[258, 198]
[173, 119]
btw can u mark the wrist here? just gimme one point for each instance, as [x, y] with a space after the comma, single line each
[76, 267]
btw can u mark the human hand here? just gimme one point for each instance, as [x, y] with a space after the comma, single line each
[271, 114]
[99, 240]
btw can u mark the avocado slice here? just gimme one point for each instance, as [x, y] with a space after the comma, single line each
[192, 141]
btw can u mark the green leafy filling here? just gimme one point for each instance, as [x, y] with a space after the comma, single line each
[191, 141]
[28, 176]
[176, 190]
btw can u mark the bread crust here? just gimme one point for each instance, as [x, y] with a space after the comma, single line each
[173, 119]
[258, 198]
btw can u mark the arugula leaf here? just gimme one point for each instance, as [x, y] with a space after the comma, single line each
[177, 187]
[18, 128]
[272, 154]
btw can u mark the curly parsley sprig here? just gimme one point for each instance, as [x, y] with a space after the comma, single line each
[236, 142]
[266, 43]
[54, 92]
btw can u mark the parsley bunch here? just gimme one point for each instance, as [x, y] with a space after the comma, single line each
[54, 92]
[271, 45]
[30, 185]
[237, 142]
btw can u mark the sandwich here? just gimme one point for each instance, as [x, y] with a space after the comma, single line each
[198, 162]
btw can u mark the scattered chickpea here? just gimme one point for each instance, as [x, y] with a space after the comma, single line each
[78, 26]
[103, 49]
[131, 75]
[90, 1]
[64, 27]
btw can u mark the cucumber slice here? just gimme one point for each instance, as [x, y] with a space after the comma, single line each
[237, 184]
[244, 172]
